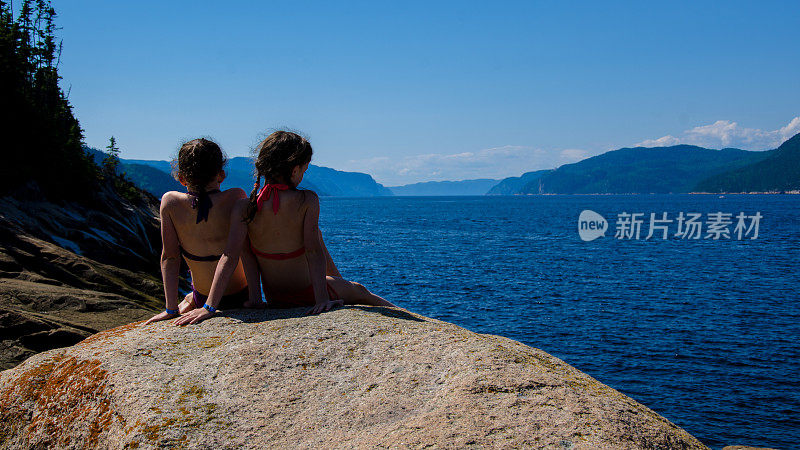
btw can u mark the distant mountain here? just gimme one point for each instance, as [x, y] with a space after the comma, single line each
[155, 177]
[322, 180]
[163, 166]
[641, 170]
[465, 187]
[778, 171]
[151, 179]
[514, 185]
[152, 176]
[335, 183]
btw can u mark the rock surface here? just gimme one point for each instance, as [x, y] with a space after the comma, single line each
[352, 377]
[70, 270]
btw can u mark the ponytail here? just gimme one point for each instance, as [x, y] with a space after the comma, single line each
[252, 207]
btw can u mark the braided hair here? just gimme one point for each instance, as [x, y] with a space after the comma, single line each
[278, 154]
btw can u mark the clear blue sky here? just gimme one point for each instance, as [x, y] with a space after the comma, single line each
[416, 91]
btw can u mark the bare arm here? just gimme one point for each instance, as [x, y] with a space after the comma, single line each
[330, 267]
[170, 261]
[252, 273]
[315, 255]
[225, 267]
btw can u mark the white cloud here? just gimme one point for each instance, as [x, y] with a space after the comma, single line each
[513, 160]
[791, 129]
[571, 155]
[724, 133]
[664, 141]
[498, 162]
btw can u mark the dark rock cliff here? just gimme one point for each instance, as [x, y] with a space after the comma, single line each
[68, 270]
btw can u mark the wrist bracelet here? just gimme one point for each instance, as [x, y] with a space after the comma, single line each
[172, 312]
[210, 308]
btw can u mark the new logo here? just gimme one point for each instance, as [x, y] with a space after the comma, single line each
[591, 225]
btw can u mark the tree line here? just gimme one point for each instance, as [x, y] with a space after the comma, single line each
[42, 138]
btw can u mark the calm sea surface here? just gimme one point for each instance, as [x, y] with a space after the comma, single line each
[704, 332]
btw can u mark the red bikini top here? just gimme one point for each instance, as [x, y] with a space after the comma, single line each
[289, 255]
[268, 190]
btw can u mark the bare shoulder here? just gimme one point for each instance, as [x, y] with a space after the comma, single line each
[241, 204]
[170, 199]
[239, 209]
[236, 193]
[310, 201]
[311, 197]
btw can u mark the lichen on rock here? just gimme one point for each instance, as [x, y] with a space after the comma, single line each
[352, 377]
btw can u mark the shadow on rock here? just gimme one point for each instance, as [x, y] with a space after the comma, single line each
[263, 315]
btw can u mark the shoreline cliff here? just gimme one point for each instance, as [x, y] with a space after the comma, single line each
[71, 269]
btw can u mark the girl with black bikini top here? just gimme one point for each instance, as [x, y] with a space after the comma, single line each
[195, 225]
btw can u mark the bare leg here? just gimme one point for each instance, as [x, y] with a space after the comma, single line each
[187, 304]
[355, 293]
[330, 267]
[351, 293]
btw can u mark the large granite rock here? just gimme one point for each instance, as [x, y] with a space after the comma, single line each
[69, 270]
[352, 377]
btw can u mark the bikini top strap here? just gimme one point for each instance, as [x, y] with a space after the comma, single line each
[270, 189]
[279, 256]
[198, 258]
[202, 202]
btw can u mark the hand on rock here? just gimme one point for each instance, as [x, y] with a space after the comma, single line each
[194, 316]
[324, 306]
[163, 315]
[255, 304]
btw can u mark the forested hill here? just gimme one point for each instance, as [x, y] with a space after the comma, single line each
[778, 171]
[155, 179]
[463, 187]
[639, 170]
[514, 185]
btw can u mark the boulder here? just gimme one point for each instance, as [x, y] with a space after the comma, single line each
[68, 270]
[351, 377]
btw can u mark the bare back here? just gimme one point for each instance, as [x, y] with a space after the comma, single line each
[282, 233]
[207, 238]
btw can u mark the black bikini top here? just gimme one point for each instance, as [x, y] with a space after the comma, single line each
[202, 202]
[199, 258]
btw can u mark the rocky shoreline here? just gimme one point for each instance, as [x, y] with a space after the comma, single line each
[69, 270]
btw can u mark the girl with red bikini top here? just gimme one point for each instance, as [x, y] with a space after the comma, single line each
[281, 224]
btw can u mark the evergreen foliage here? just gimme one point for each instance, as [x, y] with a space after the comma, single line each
[780, 171]
[41, 136]
[111, 161]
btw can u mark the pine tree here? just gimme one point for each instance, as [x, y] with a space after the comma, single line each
[42, 137]
[111, 161]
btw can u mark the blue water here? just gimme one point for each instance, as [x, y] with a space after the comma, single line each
[704, 332]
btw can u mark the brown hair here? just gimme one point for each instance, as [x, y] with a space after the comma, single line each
[198, 162]
[278, 154]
